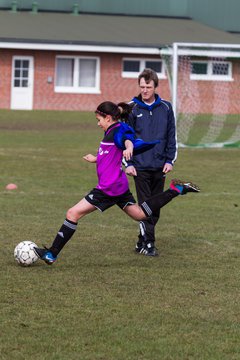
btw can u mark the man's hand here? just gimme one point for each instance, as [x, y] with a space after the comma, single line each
[131, 171]
[167, 168]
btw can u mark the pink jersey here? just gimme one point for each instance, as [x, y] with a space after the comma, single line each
[112, 180]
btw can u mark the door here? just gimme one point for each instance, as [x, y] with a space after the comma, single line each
[22, 83]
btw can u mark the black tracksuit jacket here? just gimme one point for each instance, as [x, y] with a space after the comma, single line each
[154, 122]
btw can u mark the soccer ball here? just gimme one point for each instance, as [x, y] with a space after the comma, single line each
[24, 253]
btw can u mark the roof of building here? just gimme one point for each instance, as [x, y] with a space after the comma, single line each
[220, 14]
[106, 30]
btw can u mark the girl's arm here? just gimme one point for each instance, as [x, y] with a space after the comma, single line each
[90, 158]
[128, 152]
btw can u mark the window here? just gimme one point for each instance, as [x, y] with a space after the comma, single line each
[132, 67]
[77, 74]
[65, 72]
[199, 68]
[211, 70]
[21, 71]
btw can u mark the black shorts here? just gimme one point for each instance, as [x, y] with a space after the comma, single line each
[103, 201]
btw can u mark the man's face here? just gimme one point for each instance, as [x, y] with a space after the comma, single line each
[147, 90]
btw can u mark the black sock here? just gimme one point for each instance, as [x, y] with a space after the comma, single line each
[158, 201]
[65, 233]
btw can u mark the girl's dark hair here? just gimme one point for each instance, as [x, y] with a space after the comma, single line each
[117, 111]
[148, 75]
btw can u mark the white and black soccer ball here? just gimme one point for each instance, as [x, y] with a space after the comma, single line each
[24, 253]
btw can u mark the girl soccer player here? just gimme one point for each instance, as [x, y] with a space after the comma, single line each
[112, 189]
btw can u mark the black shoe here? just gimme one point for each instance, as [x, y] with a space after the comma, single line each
[146, 249]
[150, 250]
[140, 245]
[45, 255]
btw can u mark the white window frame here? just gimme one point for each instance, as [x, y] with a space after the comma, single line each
[210, 76]
[142, 62]
[75, 88]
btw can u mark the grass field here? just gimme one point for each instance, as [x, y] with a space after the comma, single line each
[101, 301]
[212, 128]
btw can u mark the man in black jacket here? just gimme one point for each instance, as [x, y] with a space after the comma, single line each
[152, 118]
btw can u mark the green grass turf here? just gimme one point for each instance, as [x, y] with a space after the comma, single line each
[101, 301]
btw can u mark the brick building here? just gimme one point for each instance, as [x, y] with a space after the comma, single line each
[73, 61]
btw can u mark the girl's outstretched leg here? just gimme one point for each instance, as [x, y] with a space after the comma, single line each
[177, 187]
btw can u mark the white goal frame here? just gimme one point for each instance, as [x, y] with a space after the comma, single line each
[208, 50]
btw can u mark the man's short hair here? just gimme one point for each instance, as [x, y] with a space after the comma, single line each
[148, 75]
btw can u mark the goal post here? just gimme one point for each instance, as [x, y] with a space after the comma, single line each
[204, 82]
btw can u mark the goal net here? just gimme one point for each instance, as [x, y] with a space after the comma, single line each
[205, 88]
